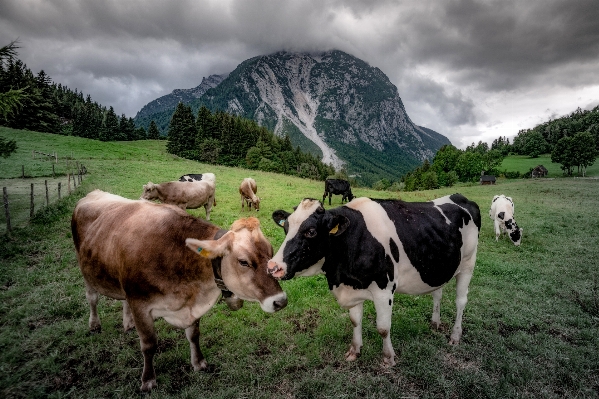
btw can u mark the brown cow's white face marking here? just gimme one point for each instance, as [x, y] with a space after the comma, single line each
[245, 253]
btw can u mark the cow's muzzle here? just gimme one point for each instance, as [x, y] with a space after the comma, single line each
[275, 269]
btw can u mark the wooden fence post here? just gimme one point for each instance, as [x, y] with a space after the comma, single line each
[31, 206]
[33, 153]
[6, 211]
[47, 196]
[53, 171]
[56, 157]
[69, 183]
[58, 190]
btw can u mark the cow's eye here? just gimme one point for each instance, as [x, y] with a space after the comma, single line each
[244, 263]
[310, 233]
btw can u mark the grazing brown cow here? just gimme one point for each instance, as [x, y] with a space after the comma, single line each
[248, 191]
[185, 195]
[135, 251]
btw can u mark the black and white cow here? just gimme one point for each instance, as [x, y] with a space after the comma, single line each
[337, 186]
[502, 214]
[198, 177]
[370, 249]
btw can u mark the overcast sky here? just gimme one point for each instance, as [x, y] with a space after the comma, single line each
[471, 70]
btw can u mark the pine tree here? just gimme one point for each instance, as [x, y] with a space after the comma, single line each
[153, 133]
[110, 126]
[204, 124]
[182, 132]
[121, 133]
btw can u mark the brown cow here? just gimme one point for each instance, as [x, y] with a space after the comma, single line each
[248, 191]
[185, 195]
[135, 251]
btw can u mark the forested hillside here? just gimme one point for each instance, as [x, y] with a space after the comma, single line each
[230, 140]
[49, 107]
[572, 141]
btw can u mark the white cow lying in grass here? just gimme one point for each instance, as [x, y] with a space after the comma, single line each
[502, 213]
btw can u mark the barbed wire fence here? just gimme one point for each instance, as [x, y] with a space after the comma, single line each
[23, 197]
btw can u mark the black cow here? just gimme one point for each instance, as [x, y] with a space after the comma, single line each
[337, 186]
[371, 248]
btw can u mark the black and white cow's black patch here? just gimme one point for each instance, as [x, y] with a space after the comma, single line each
[191, 177]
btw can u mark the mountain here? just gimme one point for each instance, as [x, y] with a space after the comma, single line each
[169, 102]
[331, 104]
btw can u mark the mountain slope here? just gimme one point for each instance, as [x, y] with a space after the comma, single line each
[166, 104]
[332, 104]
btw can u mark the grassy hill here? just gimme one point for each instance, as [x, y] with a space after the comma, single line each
[530, 326]
[523, 163]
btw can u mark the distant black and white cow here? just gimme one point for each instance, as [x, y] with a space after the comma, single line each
[337, 186]
[369, 249]
[198, 177]
[502, 214]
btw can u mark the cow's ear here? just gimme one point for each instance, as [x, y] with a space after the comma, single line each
[337, 225]
[280, 217]
[211, 248]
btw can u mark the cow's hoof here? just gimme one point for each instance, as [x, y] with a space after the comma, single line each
[97, 329]
[201, 366]
[147, 386]
[388, 361]
[454, 341]
[352, 354]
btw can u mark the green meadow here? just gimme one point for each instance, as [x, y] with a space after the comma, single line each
[531, 326]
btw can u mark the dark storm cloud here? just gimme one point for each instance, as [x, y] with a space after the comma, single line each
[447, 58]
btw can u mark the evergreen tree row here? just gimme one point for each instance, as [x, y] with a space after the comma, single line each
[48, 107]
[224, 139]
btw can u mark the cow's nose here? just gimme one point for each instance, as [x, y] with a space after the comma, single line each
[272, 266]
[280, 304]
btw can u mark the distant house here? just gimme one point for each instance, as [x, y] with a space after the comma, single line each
[539, 171]
[487, 179]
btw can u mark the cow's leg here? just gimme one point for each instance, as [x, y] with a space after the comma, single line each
[128, 322]
[330, 195]
[497, 230]
[436, 318]
[462, 283]
[355, 316]
[383, 304]
[193, 336]
[242, 202]
[144, 323]
[92, 297]
[208, 207]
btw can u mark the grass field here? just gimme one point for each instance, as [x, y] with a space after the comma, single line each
[531, 326]
[523, 163]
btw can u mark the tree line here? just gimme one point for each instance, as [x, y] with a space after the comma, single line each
[572, 141]
[35, 102]
[231, 140]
